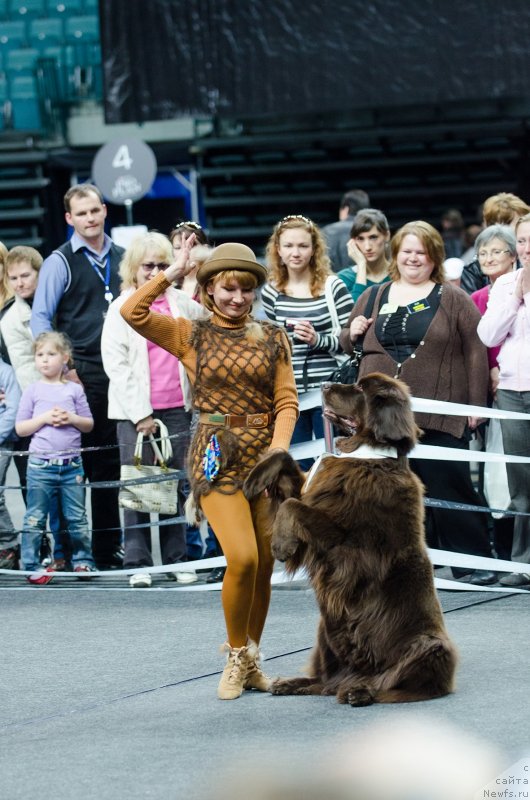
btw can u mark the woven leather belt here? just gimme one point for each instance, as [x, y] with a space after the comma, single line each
[237, 421]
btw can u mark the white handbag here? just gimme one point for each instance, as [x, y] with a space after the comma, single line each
[156, 498]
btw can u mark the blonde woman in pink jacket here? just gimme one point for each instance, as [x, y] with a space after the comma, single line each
[506, 323]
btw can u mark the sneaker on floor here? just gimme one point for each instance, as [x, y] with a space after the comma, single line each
[189, 576]
[9, 558]
[85, 571]
[41, 578]
[515, 579]
[141, 580]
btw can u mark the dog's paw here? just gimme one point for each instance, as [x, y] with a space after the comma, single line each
[360, 696]
[280, 686]
[278, 474]
[283, 548]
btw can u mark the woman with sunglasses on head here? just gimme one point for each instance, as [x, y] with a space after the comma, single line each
[200, 251]
[305, 297]
[147, 382]
[198, 254]
[244, 391]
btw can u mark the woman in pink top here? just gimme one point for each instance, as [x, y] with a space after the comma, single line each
[506, 324]
[496, 254]
[148, 383]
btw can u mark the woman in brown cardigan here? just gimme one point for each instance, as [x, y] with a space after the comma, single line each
[424, 331]
[244, 389]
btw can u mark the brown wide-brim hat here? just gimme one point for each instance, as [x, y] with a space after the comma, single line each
[231, 256]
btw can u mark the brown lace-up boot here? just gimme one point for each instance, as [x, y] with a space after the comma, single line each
[256, 678]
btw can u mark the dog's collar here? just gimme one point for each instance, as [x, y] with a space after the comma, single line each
[364, 451]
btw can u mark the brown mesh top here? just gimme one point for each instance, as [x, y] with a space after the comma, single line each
[235, 367]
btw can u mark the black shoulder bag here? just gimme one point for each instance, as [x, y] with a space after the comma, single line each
[349, 371]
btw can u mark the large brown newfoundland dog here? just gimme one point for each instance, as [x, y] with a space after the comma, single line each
[357, 529]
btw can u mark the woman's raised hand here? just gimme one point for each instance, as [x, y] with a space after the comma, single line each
[182, 264]
[358, 258]
[522, 286]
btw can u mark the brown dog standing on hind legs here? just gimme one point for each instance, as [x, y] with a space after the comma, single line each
[357, 529]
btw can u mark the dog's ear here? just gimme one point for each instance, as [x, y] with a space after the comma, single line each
[390, 417]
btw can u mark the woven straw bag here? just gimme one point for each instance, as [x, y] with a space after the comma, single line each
[159, 497]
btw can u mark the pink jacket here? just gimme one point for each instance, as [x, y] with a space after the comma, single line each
[507, 323]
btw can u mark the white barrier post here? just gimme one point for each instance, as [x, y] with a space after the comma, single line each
[329, 439]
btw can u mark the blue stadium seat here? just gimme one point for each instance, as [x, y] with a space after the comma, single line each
[63, 55]
[91, 6]
[3, 9]
[25, 103]
[31, 8]
[46, 32]
[21, 61]
[4, 88]
[13, 34]
[84, 29]
[64, 7]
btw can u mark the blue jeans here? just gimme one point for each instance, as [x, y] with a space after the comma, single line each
[8, 534]
[308, 426]
[65, 482]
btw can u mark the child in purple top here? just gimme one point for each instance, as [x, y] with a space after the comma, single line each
[54, 412]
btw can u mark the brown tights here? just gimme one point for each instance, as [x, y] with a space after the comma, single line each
[243, 529]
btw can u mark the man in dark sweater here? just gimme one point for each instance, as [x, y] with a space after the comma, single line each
[76, 284]
[337, 233]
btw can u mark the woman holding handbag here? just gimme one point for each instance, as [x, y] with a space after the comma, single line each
[423, 330]
[148, 383]
[244, 390]
[312, 303]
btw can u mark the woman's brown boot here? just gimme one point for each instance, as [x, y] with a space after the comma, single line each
[232, 680]
[256, 678]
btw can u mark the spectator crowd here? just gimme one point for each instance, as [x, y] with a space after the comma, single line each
[80, 386]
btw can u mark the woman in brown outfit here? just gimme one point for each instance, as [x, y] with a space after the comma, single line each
[244, 389]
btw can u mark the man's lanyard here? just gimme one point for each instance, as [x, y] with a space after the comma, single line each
[97, 266]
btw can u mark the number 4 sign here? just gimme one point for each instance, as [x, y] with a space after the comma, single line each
[124, 170]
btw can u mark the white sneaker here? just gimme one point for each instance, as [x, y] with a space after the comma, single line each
[141, 580]
[190, 576]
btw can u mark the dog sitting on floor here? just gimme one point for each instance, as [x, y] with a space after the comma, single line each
[357, 529]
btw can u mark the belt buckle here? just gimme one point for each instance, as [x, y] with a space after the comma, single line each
[218, 419]
[257, 420]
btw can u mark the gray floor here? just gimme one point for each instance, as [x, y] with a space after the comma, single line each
[111, 694]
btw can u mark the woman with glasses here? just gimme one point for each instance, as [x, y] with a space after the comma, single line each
[312, 303]
[506, 325]
[497, 255]
[147, 382]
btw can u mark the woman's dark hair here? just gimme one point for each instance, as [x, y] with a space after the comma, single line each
[366, 219]
[186, 228]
